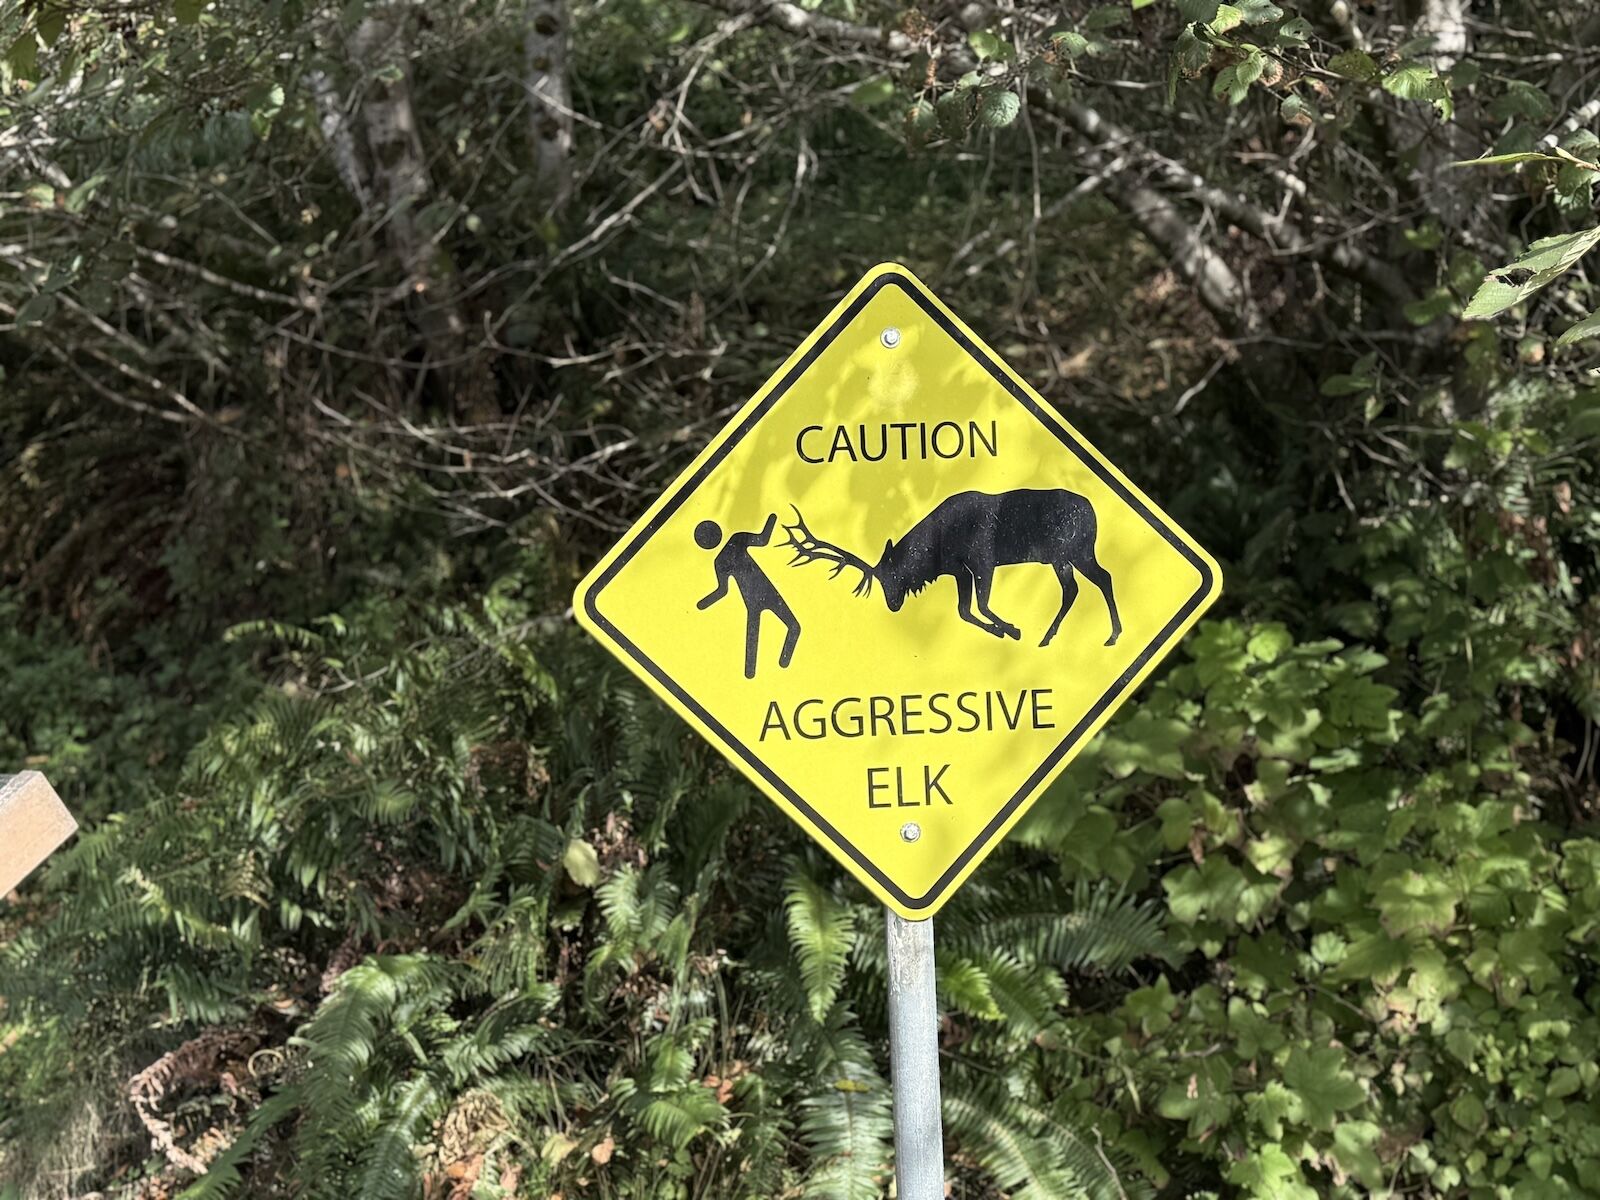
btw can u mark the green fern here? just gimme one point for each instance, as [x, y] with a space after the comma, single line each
[388, 1169]
[1093, 927]
[1027, 1154]
[846, 1121]
[822, 932]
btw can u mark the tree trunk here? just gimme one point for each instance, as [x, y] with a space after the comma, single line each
[550, 100]
[1446, 22]
[334, 118]
[401, 188]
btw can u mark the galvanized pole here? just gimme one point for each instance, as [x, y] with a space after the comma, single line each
[914, 1061]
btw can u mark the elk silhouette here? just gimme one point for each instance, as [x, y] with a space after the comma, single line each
[967, 536]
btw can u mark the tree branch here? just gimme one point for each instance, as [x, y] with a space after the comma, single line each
[1149, 204]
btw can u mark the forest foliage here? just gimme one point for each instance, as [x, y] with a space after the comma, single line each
[336, 341]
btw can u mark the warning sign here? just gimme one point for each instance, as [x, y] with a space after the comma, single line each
[899, 591]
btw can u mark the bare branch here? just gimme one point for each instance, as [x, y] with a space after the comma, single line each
[1150, 203]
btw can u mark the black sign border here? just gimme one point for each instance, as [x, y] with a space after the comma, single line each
[685, 488]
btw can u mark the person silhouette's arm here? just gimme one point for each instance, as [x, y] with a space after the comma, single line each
[765, 536]
[717, 593]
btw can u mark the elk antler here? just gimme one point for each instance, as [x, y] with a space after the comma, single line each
[808, 549]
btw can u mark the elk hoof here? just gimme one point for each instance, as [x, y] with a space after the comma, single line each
[1112, 640]
[1011, 631]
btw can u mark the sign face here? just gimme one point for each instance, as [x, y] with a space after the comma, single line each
[899, 591]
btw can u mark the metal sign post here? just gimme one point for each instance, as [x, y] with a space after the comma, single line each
[914, 1060]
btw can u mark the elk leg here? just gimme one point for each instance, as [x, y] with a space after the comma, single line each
[964, 603]
[980, 587]
[1069, 593]
[1101, 578]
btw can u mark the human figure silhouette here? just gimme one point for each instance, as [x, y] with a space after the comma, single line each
[733, 564]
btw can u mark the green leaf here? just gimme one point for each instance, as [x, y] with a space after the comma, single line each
[1151, 1008]
[1269, 642]
[954, 112]
[37, 308]
[1502, 160]
[1354, 1148]
[1234, 81]
[1412, 902]
[1322, 1085]
[1204, 1098]
[1564, 1081]
[922, 123]
[1296, 111]
[52, 20]
[582, 863]
[1105, 16]
[1259, 12]
[984, 44]
[873, 93]
[1522, 100]
[1430, 308]
[1412, 81]
[1587, 328]
[1374, 957]
[78, 198]
[1204, 11]
[1069, 43]
[1271, 1108]
[1228, 17]
[1192, 53]
[1427, 236]
[1467, 1111]
[1270, 1174]
[1295, 32]
[1347, 385]
[998, 108]
[188, 11]
[23, 57]
[1536, 267]
[1354, 64]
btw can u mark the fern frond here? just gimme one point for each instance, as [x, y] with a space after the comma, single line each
[822, 931]
[678, 1118]
[965, 984]
[1093, 928]
[1004, 1136]
[846, 1121]
[389, 1164]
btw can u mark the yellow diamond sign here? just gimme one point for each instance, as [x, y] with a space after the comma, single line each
[899, 591]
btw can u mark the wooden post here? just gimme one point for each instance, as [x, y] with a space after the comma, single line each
[33, 822]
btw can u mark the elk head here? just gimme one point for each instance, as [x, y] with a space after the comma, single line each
[808, 549]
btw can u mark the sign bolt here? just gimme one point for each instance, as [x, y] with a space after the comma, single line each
[890, 338]
[910, 831]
